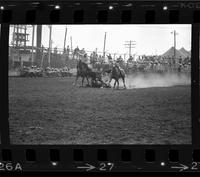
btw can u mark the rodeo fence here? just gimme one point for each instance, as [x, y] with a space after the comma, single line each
[63, 62]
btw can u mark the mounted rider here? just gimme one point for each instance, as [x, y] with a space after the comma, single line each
[75, 53]
[116, 64]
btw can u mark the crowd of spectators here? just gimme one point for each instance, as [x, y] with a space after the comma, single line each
[144, 63]
[163, 64]
[35, 71]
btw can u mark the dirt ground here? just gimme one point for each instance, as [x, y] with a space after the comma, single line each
[53, 111]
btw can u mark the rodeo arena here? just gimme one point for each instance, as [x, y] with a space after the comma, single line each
[53, 95]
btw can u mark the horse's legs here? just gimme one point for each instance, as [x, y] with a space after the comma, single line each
[110, 80]
[83, 80]
[77, 76]
[117, 84]
[87, 80]
[114, 84]
[123, 78]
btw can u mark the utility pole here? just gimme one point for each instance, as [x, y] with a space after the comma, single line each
[114, 56]
[50, 31]
[41, 64]
[33, 36]
[130, 44]
[65, 38]
[104, 46]
[174, 33]
[124, 57]
[38, 44]
[71, 42]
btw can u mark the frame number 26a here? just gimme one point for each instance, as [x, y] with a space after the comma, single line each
[10, 166]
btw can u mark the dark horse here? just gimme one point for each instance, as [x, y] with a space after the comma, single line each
[116, 74]
[85, 72]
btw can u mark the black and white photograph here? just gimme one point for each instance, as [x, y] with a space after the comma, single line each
[100, 84]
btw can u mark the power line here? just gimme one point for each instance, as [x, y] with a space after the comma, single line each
[130, 44]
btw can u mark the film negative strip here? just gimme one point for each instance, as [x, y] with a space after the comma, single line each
[138, 109]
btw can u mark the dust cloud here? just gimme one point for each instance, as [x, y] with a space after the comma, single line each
[155, 80]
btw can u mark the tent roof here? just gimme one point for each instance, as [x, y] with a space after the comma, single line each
[179, 53]
[185, 52]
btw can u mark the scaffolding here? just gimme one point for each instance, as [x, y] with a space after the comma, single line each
[20, 36]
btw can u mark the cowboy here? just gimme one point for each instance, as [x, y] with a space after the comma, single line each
[75, 53]
[67, 50]
[118, 65]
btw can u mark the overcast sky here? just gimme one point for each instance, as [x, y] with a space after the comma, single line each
[150, 39]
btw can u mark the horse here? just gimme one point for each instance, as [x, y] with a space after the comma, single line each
[82, 71]
[85, 72]
[116, 74]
